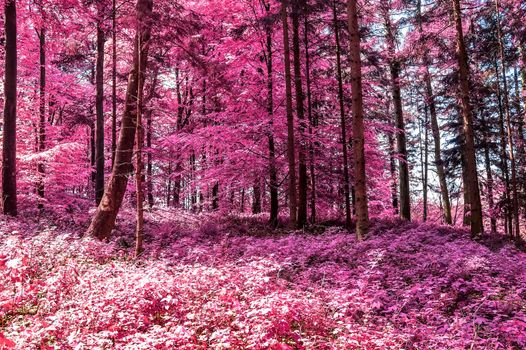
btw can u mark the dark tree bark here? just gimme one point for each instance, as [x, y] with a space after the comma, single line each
[489, 175]
[104, 220]
[403, 166]
[291, 153]
[358, 135]
[274, 199]
[139, 166]
[9, 198]
[435, 131]
[42, 116]
[114, 82]
[256, 201]
[508, 213]
[472, 185]
[300, 110]
[312, 124]
[99, 107]
[343, 122]
[513, 184]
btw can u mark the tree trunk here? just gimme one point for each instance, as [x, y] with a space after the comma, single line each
[358, 135]
[114, 82]
[424, 157]
[104, 219]
[256, 202]
[343, 123]
[302, 161]
[514, 193]
[508, 227]
[472, 186]
[139, 167]
[489, 177]
[99, 107]
[435, 130]
[42, 115]
[291, 153]
[312, 124]
[403, 166]
[149, 160]
[9, 198]
[274, 199]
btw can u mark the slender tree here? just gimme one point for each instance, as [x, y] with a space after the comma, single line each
[471, 186]
[358, 136]
[99, 108]
[403, 166]
[9, 198]
[274, 199]
[300, 110]
[343, 123]
[42, 114]
[113, 81]
[291, 152]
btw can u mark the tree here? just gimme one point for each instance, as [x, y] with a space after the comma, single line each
[104, 219]
[358, 136]
[343, 123]
[99, 107]
[471, 185]
[9, 196]
[291, 152]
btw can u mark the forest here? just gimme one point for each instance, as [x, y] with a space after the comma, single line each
[263, 174]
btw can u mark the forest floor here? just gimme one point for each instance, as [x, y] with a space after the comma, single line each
[230, 283]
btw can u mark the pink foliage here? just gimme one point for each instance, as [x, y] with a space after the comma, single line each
[406, 287]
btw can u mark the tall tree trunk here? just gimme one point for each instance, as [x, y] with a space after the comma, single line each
[104, 220]
[291, 153]
[403, 166]
[274, 199]
[42, 115]
[343, 123]
[114, 82]
[139, 166]
[312, 124]
[508, 213]
[149, 159]
[9, 198]
[99, 106]
[358, 135]
[302, 161]
[435, 130]
[489, 176]
[472, 186]
[424, 159]
[514, 193]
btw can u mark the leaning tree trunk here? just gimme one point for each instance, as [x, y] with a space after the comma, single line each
[99, 107]
[291, 154]
[472, 185]
[104, 220]
[9, 199]
[358, 137]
